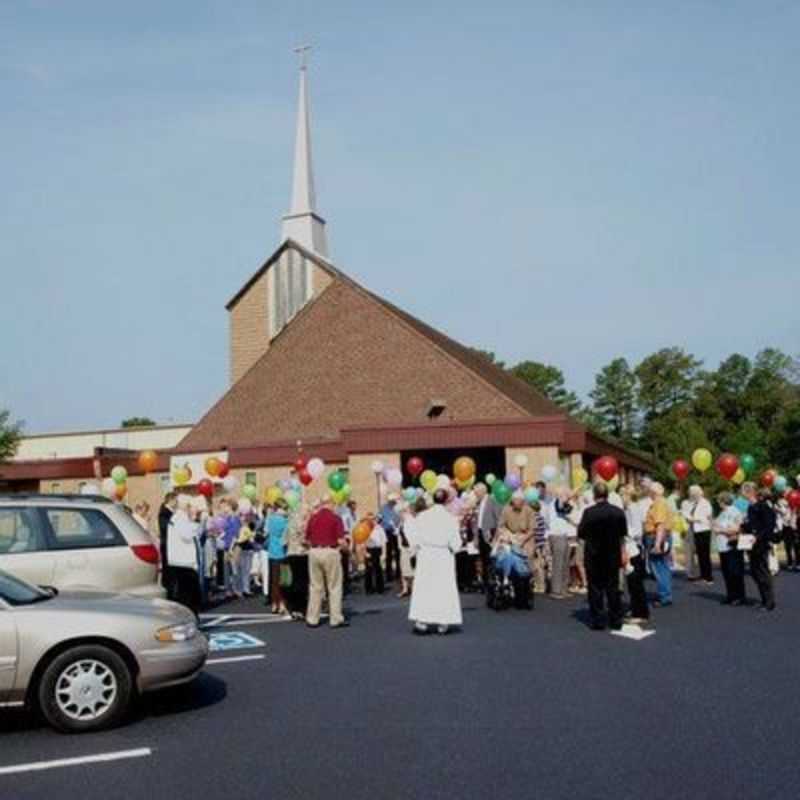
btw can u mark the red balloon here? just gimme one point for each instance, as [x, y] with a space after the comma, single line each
[768, 478]
[606, 467]
[681, 469]
[415, 466]
[794, 499]
[304, 476]
[224, 469]
[206, 488]
[727, 465]
[300, 464]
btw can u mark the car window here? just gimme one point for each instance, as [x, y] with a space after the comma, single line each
[18, 593]
[75, 528]
[20, 531]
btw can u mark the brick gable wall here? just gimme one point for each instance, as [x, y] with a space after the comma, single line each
[249, 322]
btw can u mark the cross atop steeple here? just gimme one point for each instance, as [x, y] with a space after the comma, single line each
[302, 223]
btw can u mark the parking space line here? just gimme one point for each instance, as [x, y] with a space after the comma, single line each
[235, 658]
[37, 766]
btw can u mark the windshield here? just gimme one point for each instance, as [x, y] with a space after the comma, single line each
[18, 593]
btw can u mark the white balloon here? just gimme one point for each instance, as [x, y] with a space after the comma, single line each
[394, 477]
[244, 506]
[230, 483]
[90, 488]
[442, 482]
[521, 460]
[377, 467]
[315, 467]
[549, 473]
[109, 487]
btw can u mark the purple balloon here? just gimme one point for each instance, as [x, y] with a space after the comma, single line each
[513, 481]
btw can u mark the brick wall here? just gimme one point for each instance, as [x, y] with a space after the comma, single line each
[249, 328]
[538, 457]
[362, 478]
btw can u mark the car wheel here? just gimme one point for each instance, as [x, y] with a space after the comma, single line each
[85, 688]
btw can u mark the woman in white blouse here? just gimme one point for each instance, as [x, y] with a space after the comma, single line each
[699, 517]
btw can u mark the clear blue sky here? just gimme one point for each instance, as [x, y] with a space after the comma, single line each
[563, 181]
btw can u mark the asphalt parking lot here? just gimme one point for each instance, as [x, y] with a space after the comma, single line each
[519, 704]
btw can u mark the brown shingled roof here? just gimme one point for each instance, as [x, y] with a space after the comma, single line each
[349, 357]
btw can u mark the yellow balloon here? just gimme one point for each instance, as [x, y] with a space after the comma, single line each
[701, 458]
[272, 495]
[428, 480]
[579, 477]
[739, 476]
[613, 484]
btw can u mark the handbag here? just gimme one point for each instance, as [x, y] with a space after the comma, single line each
[285, 578]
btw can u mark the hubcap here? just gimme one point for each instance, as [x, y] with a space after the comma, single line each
[86, 690]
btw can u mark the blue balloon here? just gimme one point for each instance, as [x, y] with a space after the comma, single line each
[513, 481]
[531, 495]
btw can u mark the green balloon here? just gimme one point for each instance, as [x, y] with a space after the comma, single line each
[490, 479]
[747, 463]
[336, 480]
[501, 492]
[292, 499]
[249, 491]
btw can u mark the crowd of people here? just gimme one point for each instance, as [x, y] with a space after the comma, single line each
[594, 541]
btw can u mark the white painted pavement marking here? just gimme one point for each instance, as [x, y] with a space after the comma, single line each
[232, 659]
[235, 640]
[37, 766]
[228, 620]
[633, 632]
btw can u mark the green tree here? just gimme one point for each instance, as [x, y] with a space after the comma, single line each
[667, 379]
[138, 422]
[548, 380]
[784, 440]
[10, 434]
[614, 399]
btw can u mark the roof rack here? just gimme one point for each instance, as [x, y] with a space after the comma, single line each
[79, 498]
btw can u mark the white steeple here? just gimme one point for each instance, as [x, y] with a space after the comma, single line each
[302, 223]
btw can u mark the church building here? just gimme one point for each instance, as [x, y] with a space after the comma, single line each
[310, 352]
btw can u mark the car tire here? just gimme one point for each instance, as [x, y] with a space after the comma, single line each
[86, 688]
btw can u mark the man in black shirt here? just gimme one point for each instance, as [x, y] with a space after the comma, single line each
[603, 528]
[761, 522]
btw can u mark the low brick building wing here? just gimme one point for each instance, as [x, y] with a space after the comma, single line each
[349, 358]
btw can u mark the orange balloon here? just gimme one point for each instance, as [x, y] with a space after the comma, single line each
[148, 460]
[463, 469]
[212, 466]
[120, 491]
[362, 531]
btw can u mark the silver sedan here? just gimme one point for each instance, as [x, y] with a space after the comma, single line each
[80, 657]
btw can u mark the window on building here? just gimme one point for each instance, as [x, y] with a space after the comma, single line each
[291, 288]
[250, 477]
[74, 528]
[165, 483]
[55, 488]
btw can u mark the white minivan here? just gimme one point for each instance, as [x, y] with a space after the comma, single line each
[76, 540]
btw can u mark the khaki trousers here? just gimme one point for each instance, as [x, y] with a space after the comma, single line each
[325, 574]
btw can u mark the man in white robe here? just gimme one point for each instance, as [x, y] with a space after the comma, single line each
[435, 538]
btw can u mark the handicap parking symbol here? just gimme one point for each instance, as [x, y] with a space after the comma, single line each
[233, 640]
